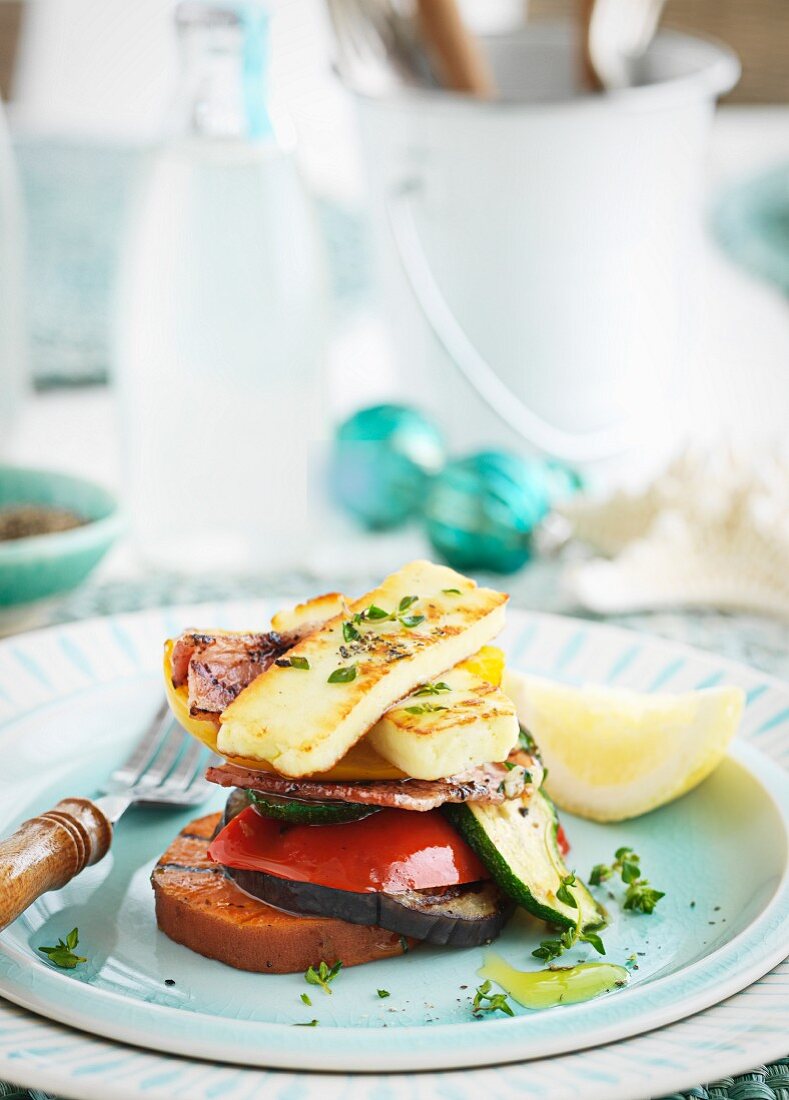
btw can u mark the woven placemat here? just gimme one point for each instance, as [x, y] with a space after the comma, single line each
[763, 1083]
[760, 642]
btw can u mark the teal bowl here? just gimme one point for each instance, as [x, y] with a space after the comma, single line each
[45, 566]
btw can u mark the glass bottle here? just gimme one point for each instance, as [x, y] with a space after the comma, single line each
[219, 335]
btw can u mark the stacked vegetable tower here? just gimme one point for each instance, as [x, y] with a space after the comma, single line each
[383, 791]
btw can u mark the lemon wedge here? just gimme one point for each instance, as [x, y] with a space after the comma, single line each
[613, 754]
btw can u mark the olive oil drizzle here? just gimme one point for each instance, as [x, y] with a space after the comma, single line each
[563, 985]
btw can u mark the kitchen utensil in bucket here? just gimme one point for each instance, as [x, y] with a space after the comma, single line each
[615, 35]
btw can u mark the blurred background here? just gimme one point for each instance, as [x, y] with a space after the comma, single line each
[293, 291]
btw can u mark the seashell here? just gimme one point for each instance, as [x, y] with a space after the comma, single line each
[608, 526]
[713, 530]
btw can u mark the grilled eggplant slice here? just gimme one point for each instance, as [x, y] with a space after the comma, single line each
[463, 916]
[237, 801]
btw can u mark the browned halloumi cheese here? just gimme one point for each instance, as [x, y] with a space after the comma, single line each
[304, 719]
[447, 727]
[305, 618]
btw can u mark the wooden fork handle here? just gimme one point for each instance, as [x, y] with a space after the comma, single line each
[47, 851]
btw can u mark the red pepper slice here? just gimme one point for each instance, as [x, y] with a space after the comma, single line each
[562, 842]
[392, 851]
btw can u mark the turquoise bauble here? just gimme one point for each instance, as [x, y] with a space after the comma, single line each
[481, 511]
[383, 460]
[562, 481]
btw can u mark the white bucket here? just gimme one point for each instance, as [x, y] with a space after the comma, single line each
[538, 254]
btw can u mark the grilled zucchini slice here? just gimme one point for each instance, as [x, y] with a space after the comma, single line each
[517, 843]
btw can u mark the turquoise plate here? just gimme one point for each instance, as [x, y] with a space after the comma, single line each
[73, 699]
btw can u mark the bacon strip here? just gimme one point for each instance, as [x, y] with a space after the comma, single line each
[217, 667]
[492, 783]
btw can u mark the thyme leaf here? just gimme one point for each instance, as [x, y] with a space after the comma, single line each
[62, 954]
[343, 675]
[323, 976]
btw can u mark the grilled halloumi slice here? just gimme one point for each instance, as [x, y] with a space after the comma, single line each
[304, 716]
[306, 618]
[447, 727]
[430, 738]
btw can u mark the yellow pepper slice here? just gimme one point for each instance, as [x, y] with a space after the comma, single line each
[488, 663]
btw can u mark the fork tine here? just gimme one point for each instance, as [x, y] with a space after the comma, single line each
[200, 780]
[194, 792]
[199, 788]
[144, 751]
[159, 768]
[184, 772]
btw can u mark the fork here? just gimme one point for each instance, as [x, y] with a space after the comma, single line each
[165, 768]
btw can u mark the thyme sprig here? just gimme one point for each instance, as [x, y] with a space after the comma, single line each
[424, 708]
[496, 1002]
[433, 689]
[375, 614]
[640, 897]
[323, 976]
[552, 949]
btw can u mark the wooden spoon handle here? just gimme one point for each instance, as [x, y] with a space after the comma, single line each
[462, 66]
[47, 851]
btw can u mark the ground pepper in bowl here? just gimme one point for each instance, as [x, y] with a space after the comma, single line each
[22, 521]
